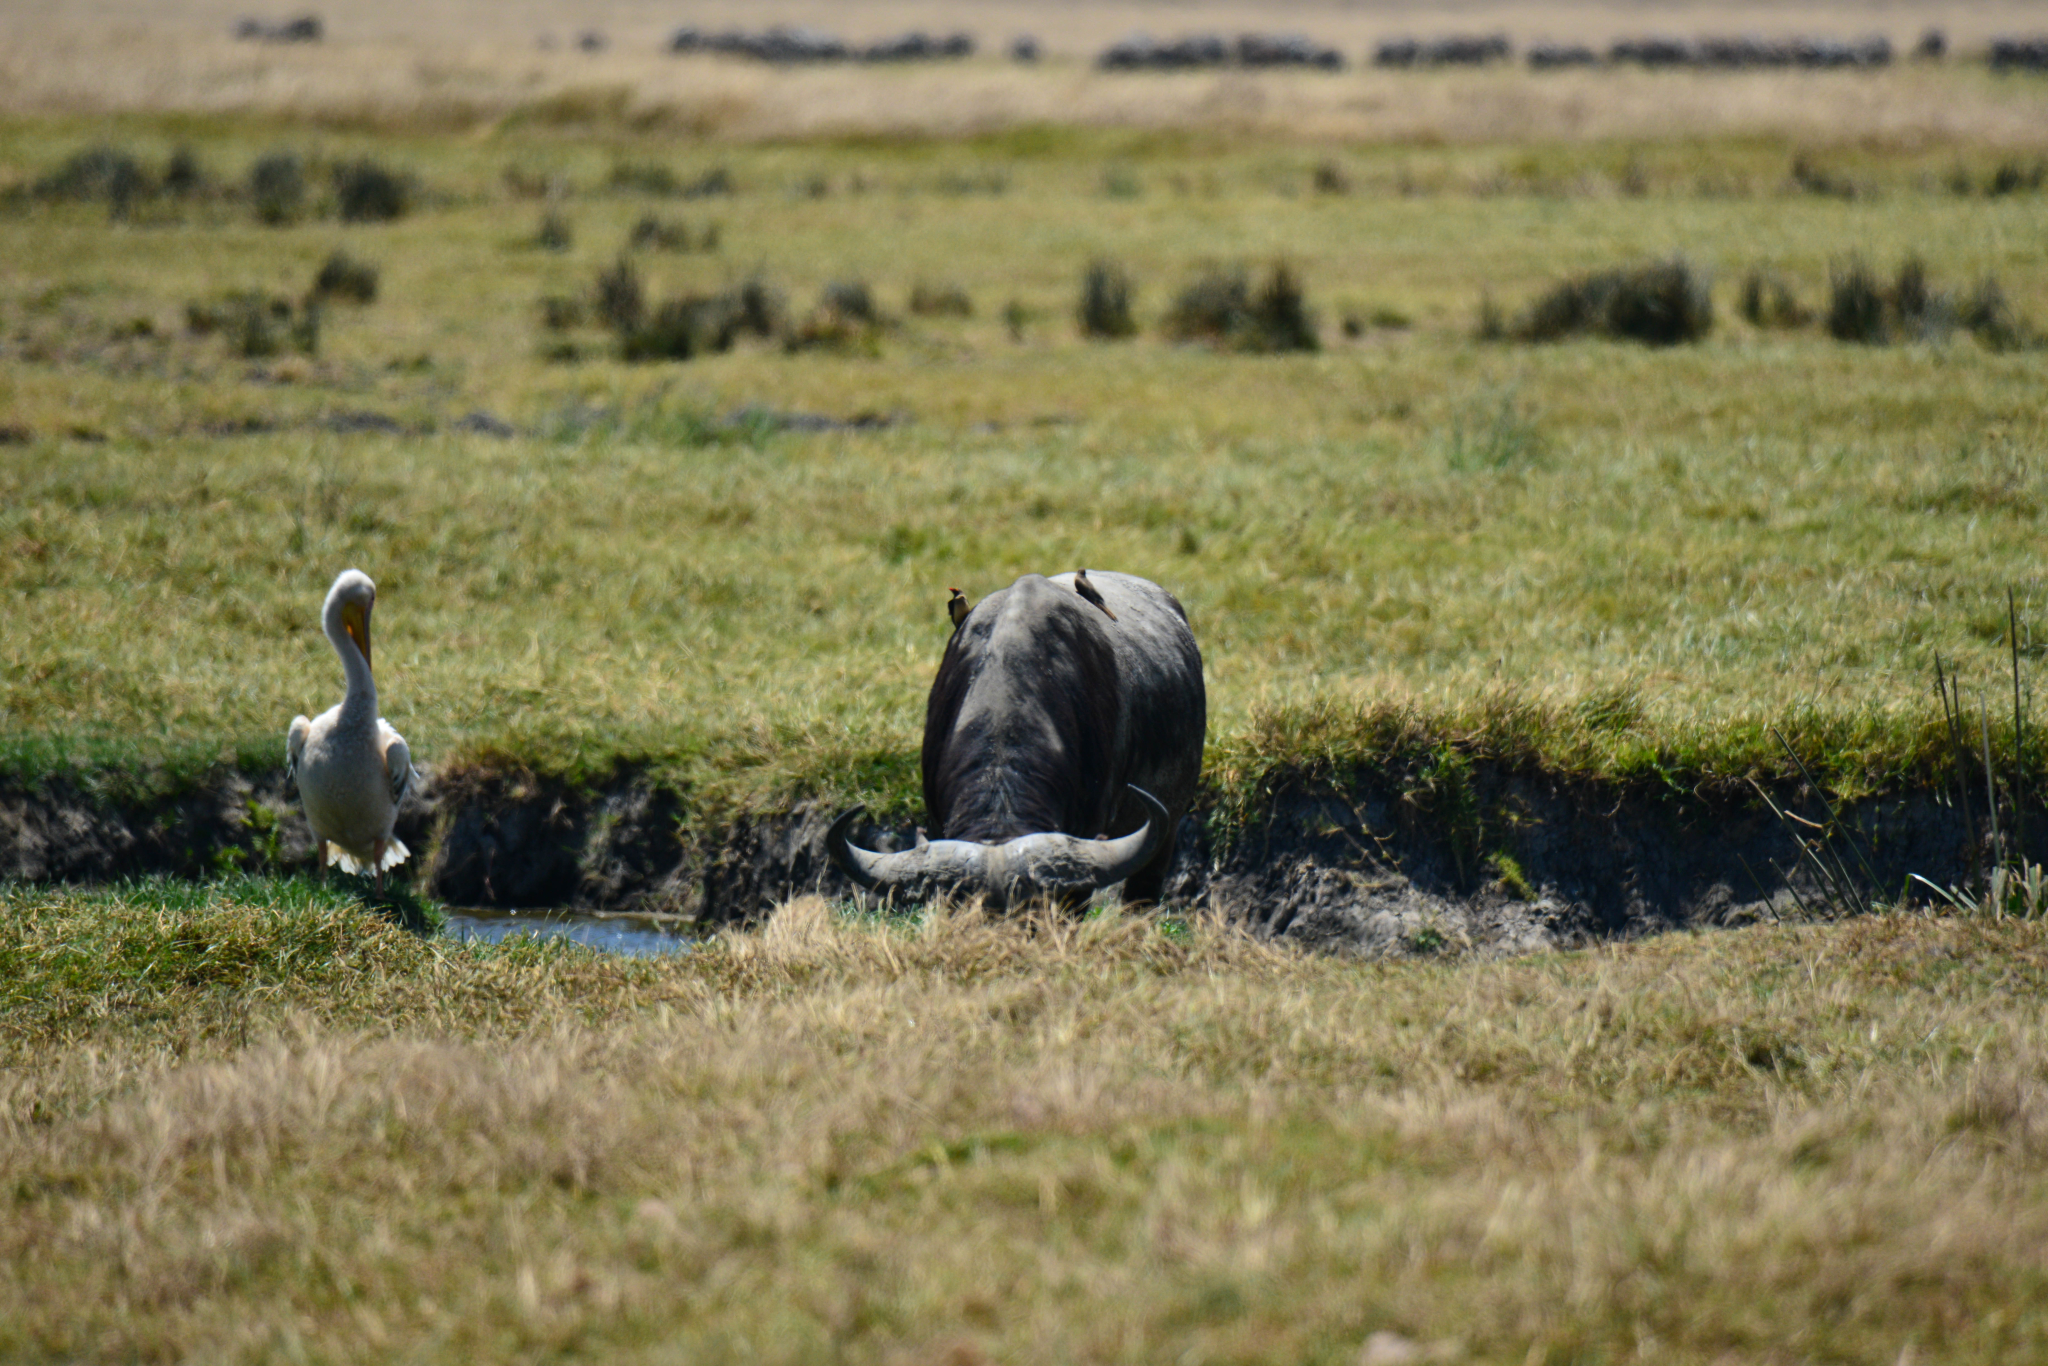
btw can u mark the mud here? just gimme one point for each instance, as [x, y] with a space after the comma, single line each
[1505, 861]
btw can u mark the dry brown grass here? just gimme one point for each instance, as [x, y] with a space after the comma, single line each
[475, 62]
[971, 1141]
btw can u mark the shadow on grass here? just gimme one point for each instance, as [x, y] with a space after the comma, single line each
[401, 906]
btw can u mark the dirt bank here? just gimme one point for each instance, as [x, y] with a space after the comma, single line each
[1502, 859]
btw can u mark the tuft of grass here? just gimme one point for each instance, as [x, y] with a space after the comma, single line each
[555, 233]
[1920, 310]
[344, 277]
[682, 328]
[1767, 300]
[759, 307]
[105, 175]
[1989, 315]
[1665, 303]
[257, 325]
[89, 175]
[1106, 296]
[2016, 885]
[1281, 318]
[620, 300]
[277, 188]
[851, 300]
[1512, 879]
[846, 319]
[1209, 307]
[678, 329]
[2016, 177]
[1858, 310]
[1863, 310]
[185, 177]
[685, 327]
[1221, 307]
[2017, 891]
[366, 191]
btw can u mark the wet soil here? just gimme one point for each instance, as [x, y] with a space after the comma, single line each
[1509, 861]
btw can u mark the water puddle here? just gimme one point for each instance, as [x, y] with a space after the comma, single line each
[638, 936]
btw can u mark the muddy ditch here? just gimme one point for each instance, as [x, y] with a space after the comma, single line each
[1510, 861]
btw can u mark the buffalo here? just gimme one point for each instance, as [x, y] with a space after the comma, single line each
[1062, 746]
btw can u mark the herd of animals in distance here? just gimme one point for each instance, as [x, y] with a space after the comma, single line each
[785, 44]
[1062, 746]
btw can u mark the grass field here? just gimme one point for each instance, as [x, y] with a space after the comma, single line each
[251, 1123]
[1766, 527]
[247, 1120]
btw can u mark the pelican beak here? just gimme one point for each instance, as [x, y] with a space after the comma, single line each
[355, 620]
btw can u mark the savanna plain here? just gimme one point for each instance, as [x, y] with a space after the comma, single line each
[249, 1119]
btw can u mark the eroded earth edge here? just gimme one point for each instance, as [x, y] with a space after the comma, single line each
[1511, 861]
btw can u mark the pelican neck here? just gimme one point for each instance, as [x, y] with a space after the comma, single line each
[361, 698]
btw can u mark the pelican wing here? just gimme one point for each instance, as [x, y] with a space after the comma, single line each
[294, 750]
[397, 763]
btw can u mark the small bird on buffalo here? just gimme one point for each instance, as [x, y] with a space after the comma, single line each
[957, 607]
[1091, 592]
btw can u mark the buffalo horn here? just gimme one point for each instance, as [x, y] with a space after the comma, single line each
[1043, 864]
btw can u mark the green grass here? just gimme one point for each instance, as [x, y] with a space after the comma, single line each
[150, 957]
[251, 1120]
[1414, 532]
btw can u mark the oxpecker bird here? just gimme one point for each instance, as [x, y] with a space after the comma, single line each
[957, 607]
[1089, 591]
[351, 768]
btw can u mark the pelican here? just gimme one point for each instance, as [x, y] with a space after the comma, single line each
[351, 768]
